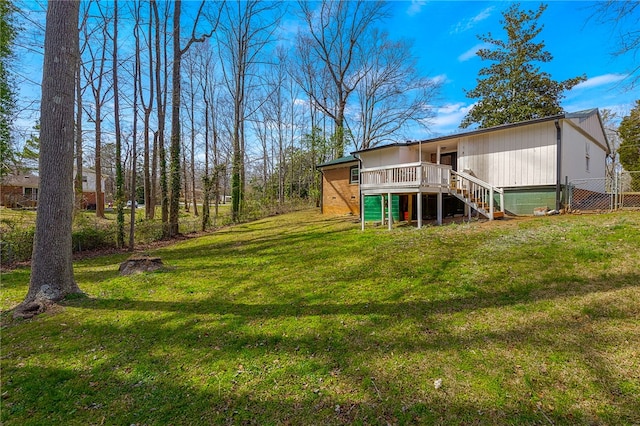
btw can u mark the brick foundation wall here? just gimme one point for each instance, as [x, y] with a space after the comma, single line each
[338, 195]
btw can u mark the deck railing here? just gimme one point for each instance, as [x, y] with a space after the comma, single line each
[477, 193]
[411, 175]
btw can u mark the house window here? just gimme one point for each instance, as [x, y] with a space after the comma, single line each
[31, 193]
[354, 175]
[84, 179]
[587, 155]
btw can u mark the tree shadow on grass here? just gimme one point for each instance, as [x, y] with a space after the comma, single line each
[480, 299]
[72, 398]
[186, 363]
[300, 360]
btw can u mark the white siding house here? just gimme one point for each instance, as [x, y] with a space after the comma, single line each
[512, 168]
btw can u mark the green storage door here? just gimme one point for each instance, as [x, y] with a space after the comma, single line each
[373, 208]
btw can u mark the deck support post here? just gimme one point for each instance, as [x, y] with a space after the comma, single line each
[419, 209]
[440, 206]
[382, 219]
[410, 213]
[390, 212]
[362, 211]
[491, 203]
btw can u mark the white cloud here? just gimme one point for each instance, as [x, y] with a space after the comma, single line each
[415, 7]
[600, 80]
[467, 24]
[448, 118]
[471, 53]
[439, 79]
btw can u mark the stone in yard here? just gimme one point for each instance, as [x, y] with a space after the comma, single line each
[137, 264]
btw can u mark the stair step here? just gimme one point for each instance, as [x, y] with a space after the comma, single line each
[498, 215]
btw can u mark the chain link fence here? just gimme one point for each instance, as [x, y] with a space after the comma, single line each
[620, 191]
[629, 190]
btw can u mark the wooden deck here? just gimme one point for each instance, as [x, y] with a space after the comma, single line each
[429, 178]
[405, 178]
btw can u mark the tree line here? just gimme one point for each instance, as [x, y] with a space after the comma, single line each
[189, 102]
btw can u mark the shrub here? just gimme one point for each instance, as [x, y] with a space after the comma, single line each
[91, 238]
[16, 244]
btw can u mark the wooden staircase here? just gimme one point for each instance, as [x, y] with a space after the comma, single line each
[477, 194]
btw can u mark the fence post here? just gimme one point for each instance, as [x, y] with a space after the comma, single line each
[616, 190]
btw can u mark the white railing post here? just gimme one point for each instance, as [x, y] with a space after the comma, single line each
[491, 203]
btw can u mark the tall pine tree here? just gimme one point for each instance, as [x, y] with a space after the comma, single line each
[513, 88]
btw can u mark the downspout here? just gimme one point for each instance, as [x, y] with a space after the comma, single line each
[558, 163]
[360, 198]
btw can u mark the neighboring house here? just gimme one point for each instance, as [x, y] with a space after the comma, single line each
[512, 168]
[19, 191]
[22, 190]
[89, 188]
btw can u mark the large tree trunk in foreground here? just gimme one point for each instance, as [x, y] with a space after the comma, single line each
[51, 266]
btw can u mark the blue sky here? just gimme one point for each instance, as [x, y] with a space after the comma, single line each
[445, 36]
[445, 40]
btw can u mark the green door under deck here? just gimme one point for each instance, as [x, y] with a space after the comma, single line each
[373, 208]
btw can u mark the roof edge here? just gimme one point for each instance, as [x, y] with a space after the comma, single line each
[342, 160]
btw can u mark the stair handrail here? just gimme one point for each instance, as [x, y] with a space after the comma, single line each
[487, 186]
[480, 182]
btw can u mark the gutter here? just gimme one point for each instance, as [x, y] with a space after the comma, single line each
[558, 162]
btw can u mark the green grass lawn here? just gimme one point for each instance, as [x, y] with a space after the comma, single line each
[302, 319]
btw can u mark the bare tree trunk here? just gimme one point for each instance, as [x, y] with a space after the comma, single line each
[79, 196]
[78, 179]
[206, 180]
[149, 188]
[134, 157]
[193, 155]
[216, 172]
[151, 207]
[95, 74]
[244, 36]
[190, 96]
[185, 179]
[98, 162]
[116, 113]
[51, 266]
[174, 201]
[137, 79]
[161, 101]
